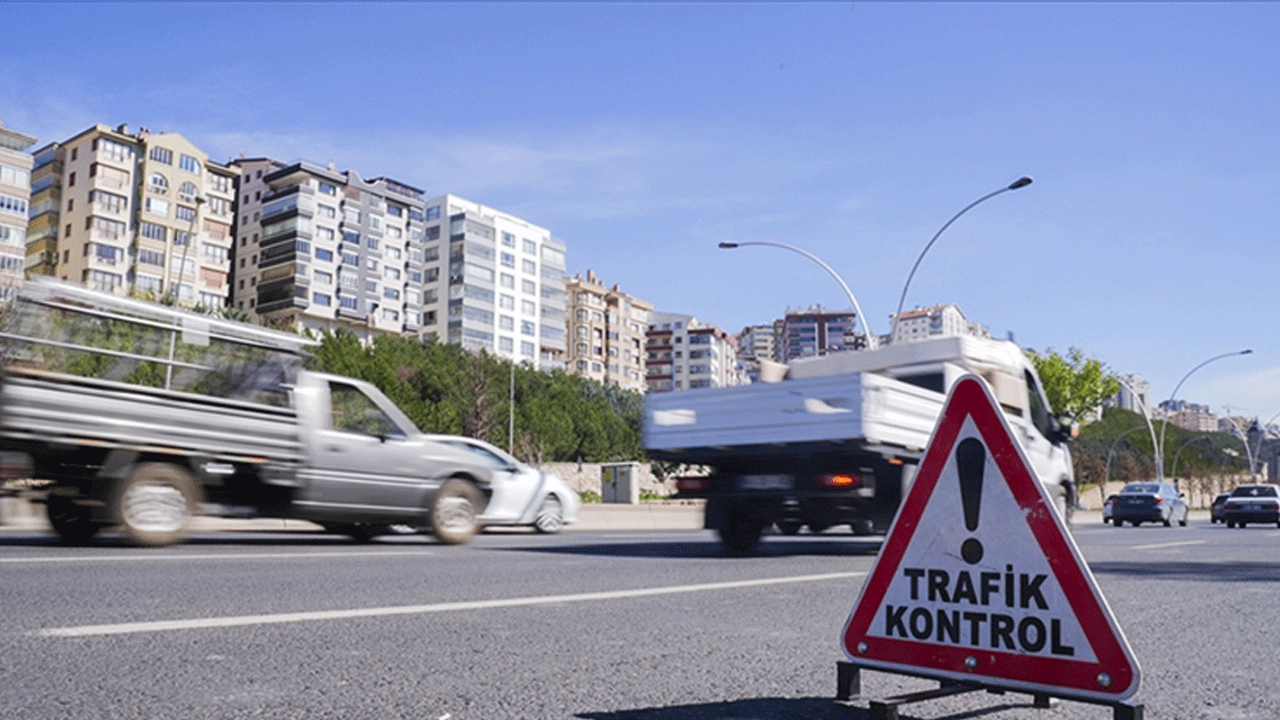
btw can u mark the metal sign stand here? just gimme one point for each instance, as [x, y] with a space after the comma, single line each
[849, 691]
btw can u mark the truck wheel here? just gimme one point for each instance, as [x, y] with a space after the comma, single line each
[73, 522]
[741, 529]
[862, 527]
[454, 511]
[789, 527]
[155, 503]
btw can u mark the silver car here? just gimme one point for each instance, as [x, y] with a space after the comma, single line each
[522, 495]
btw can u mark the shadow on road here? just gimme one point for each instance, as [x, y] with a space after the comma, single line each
[780, 709]
[1199, 571]
[699, 549]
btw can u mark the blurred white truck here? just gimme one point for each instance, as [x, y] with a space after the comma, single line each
[837, 441]
[119, 412]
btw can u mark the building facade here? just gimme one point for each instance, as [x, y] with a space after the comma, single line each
[133, 214]
[813, 332]
[320, 249]
[500, 284]
[683, 353]
[937, 321]
[15, 200]
[1134, 395]
[606, 333]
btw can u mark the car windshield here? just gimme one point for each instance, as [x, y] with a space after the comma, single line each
[1142, 488]
[1255, 491]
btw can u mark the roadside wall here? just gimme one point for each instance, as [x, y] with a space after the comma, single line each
[587, 476]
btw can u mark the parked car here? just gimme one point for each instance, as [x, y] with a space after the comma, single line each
[522, 495]
[1252, 504]
[1215, 510]
[1108, 507]
[1149, 502]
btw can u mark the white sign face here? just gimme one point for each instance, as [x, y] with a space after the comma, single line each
[985, 588]
[978, 579]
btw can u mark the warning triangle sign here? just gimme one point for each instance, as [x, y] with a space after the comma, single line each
[979, 580]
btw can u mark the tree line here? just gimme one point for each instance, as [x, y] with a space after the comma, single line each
[540, 416]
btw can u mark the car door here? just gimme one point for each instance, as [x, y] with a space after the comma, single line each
[366, 464]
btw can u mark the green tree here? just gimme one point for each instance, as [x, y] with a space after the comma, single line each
[1074, 384]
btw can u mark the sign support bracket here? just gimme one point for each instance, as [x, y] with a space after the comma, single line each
[849, 689]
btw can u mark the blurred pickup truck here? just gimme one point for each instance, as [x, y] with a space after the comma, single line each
[836, 440]
[120, 412]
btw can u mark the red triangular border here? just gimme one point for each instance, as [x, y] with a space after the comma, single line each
[971, 398]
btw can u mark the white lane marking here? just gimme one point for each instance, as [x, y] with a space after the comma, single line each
[1161, 546]
[242, 620]
[228, 556]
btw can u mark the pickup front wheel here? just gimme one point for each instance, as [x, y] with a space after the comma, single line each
[454, 512]
[155, 503]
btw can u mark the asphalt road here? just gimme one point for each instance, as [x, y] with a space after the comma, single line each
[635, 624]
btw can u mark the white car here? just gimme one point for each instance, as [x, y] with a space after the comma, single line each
[522, 495]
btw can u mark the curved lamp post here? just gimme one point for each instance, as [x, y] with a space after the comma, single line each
[871, 339]
[1019, 183]
[1146, 411]
[1174, 470]
[1165, 423]
[1106, 473]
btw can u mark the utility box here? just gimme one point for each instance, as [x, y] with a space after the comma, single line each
[620, 483]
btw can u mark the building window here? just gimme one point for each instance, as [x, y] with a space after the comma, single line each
[162, 155]
[190, 164]
[152, 231]
[156, 206]
[322, 299]
[328, 188]
[158, 184]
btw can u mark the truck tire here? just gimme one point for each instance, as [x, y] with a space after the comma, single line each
[155, 503]
[454, 512]
[72, 521]
[741, 529]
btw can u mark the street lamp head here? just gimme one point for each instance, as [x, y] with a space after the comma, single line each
[728, 245]
[1020, 183]
[1246, 352]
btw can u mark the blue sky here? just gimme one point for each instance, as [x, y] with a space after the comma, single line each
[642, 134]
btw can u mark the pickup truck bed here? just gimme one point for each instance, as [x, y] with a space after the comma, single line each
[864, 409]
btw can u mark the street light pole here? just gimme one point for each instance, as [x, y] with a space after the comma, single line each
[173, 335]
[1019, 183]
[1165, 420]
[871, 339]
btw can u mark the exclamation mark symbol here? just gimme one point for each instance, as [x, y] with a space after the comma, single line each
[971, 456]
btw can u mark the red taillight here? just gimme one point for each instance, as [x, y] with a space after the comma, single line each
[1159, 500]
[839, 481]
[691, 484]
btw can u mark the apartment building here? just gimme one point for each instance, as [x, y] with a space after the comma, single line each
[320, 249]
[15, 198]
[499, 284]
[145, 214]
[812, 332]
[683, 353]
[940, 320]
[606, 332]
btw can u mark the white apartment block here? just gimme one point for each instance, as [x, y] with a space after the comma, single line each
[940, 320]
[607, 331]
[684, 353]
[15, 198]
[133, 214]
[499, 284]
[1134, 395]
